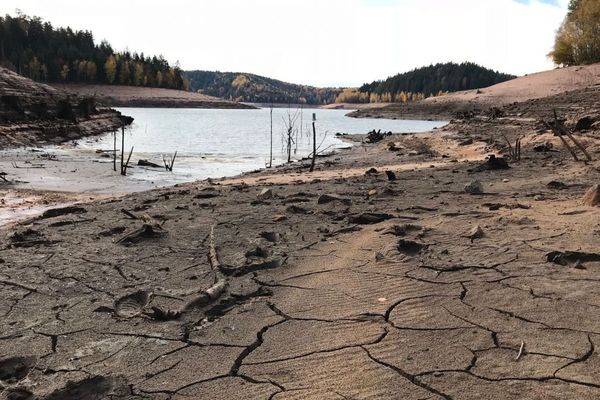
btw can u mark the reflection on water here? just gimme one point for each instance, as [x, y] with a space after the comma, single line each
[216, 143]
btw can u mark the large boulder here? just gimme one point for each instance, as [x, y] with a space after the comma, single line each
[592, 196]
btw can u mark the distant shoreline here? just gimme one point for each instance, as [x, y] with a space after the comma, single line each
[134, 96]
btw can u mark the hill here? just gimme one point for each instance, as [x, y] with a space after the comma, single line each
[37, 50]
[32, 113]
[429, 81]
[529, 87]
[257, 89]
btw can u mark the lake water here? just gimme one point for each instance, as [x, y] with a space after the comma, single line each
[216, 143]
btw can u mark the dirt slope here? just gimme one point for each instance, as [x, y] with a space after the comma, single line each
[32, 113]
[133, 96]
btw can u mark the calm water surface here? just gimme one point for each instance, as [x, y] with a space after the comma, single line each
[216, 143]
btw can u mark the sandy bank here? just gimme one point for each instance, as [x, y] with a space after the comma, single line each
[133, 96]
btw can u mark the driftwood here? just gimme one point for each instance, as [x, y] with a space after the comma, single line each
[213, 257]
[559, 129]
[208, 296]
[205, 298]
[150, 229]
[129, 214]
[146, 163]
[376, 136]
[520, 350]
[147, 231]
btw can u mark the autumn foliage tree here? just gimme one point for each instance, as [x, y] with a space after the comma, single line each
[578, 38]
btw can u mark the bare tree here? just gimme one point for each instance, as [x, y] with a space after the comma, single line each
[290, 129]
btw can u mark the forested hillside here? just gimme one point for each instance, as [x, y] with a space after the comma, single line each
[257, 89]
[424, 82]
[35, 49]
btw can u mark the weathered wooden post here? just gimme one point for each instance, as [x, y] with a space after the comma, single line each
[314, 154]
[122, 147]
[271, 148]
[115, 150]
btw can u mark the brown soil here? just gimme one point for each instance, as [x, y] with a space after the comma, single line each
[133, 96]
[406, 289]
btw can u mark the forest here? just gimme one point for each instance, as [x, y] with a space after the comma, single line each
[257, 89]
[432, 80]
[37, 50]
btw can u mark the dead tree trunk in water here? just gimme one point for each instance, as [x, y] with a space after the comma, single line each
[115, 150]
[314, 154]
[288, 135]
[296, 144]
[271, 149]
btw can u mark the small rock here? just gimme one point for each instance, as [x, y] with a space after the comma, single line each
[592, 196]
[474, 187]
[557, 185]
[372, 192]
[584, 123]
[328, 198]
[379, 256]
[538, 197]
[279, 217]
[492, 163]
[475, 233]
[505, 180]
[266, 193]
[543, 147]
[410, 247]
[390, 175]
[272, 237]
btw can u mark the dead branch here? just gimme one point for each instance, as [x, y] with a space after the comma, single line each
[520, 351]
[129, 214]
[213, 257]
[208, 296]
[559, 129]
[169, 162]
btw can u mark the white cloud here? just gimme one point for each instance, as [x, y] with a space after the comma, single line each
[332, 42]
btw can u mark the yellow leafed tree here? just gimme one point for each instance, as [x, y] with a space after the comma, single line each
[578, 38]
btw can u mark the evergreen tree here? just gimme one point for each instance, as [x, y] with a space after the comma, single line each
[36, 49]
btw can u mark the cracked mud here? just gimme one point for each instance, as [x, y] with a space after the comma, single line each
[359, 295]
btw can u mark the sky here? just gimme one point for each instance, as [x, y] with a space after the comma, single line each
[318, 42]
